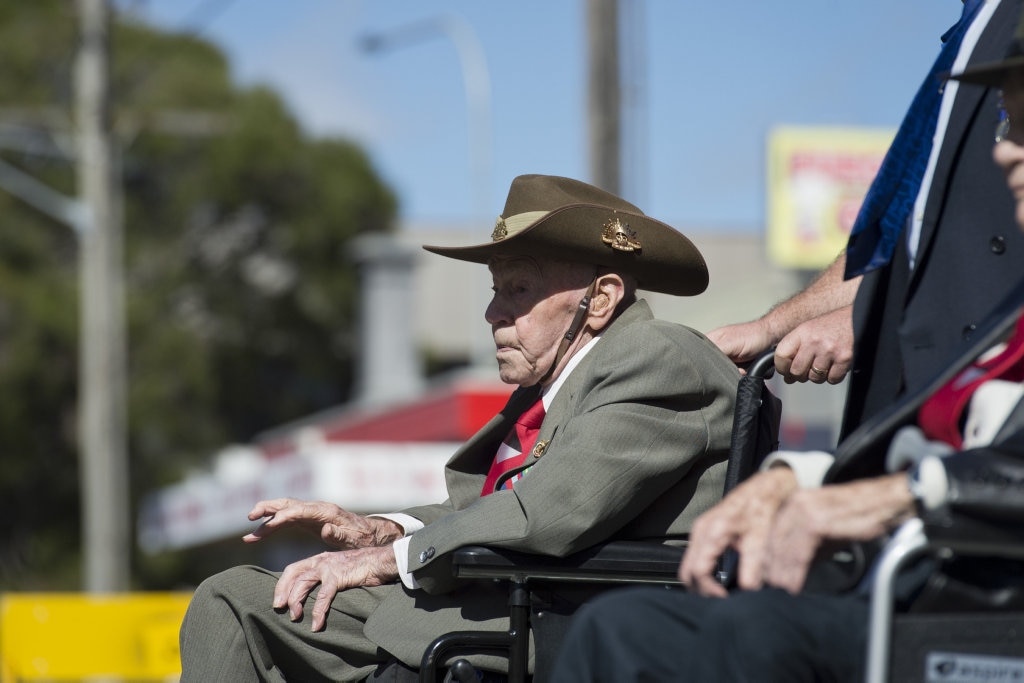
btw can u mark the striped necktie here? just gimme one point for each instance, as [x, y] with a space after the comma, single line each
[516, 446]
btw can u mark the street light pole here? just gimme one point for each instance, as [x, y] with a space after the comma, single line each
[95, 217]
[604, 96]
[102, 432]
[476, 79]
[477, 82]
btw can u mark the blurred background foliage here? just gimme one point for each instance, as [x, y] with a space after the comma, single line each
[240, 293]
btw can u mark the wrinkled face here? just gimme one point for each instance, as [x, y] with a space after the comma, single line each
[533, 304]
[1009, 153]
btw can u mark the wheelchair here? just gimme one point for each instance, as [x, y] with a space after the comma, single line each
[974, 633]
[615, 563]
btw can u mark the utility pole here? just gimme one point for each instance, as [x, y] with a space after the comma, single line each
[102, 431]
[604, 101]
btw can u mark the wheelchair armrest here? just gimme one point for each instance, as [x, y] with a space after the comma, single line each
[606, 563]
[965, 535]
[611, 562]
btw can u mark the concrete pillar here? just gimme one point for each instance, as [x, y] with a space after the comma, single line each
[389, 369]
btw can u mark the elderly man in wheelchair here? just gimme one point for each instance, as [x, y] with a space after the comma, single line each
[619, 429]
[808, 526]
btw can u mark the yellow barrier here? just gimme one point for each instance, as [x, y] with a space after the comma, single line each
[69, 636]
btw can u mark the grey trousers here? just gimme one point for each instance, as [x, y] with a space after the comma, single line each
[231, 633]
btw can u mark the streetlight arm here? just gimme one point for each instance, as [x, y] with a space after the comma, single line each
[476, 79]
[69, 211]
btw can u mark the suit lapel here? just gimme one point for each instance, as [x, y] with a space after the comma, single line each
[990, 47]
[467, 468]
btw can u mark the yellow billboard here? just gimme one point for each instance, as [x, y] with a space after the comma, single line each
[817, 179]
[74, 636]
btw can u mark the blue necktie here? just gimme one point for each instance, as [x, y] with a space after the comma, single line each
[890, 199]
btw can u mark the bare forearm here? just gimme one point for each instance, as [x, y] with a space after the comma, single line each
[808, 314]
[827, 293]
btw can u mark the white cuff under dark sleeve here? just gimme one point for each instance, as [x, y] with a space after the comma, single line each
[409, 524]
[928, 482]
[401, 548]
[808, 466]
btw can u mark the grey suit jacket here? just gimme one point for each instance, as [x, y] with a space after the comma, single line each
[637, 441]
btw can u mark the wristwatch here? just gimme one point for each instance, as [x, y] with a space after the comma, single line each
[927, 483]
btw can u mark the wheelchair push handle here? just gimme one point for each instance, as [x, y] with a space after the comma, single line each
[762, 367]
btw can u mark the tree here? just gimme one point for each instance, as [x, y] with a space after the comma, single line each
[240, 295]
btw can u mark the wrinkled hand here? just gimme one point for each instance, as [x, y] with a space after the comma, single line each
[819, 350]
[337, 527]
[742, 520]
[858, 511]
[743, 342]
[794, 540]
[333, 572]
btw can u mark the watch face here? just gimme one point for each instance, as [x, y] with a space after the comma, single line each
[927, 483]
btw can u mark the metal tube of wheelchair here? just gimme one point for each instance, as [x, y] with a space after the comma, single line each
[519, 631]
[908, 541]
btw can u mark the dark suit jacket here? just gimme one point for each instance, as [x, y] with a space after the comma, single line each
[863, 452]
[910, 325]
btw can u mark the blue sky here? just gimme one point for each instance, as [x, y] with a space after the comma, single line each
[710, 80]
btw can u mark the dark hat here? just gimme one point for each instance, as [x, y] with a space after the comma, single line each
[994, 73]
[569, 220]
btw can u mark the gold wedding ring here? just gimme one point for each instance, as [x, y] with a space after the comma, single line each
[816, 371]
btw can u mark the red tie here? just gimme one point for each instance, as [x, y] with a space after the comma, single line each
[517, 445]
[941, 416]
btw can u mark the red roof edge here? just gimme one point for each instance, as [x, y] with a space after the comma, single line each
[451, 414]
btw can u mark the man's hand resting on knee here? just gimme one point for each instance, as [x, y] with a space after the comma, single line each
[333, 572]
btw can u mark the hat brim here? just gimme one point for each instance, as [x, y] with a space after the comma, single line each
[992, 74]
[666, 261]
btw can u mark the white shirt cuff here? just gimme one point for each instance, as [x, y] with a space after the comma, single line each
[932, 483]
[410, 525]
[401, 548]
[808, 466]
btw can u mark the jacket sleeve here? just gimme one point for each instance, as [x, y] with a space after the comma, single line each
[652, 409]
[988, 482]
[430, 513]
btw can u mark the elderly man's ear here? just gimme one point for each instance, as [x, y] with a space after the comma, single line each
[610, 290]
